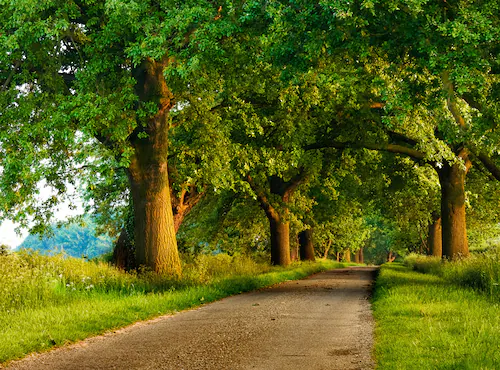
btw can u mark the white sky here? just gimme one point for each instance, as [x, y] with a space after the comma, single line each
[8, 235]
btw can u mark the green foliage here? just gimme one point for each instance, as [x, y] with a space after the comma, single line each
[426, 313]
[225, 222]
[77, 239]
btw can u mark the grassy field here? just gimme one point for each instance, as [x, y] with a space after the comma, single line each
[428, 321]
[51, 301]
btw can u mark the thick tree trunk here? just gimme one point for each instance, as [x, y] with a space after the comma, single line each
[454, 232]
[435, 239]
[123, 255]
[338, 256]
[280, 241]
[347, 255]
[306, 245]
[155, 243]
[358, 257]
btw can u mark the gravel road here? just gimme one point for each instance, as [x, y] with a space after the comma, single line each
[322, 322]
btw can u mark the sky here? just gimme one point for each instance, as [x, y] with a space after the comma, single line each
[8, 235]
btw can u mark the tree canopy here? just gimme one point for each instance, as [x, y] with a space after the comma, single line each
[156, 109]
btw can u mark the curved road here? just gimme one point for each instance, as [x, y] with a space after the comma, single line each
[322, 322]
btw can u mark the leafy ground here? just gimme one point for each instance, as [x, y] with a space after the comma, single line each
[425, 321]
[50, 301]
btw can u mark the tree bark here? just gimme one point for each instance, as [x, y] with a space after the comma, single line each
[358, 257]
[184, 204]
[155, 242]
[280, 241]
[454, 231]
[306, 245]
[294, 253]
[390, 257]
[347, 255]
[327, 249]
[435, 238]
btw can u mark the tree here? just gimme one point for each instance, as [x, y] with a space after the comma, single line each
[110, 74]
[432, 72]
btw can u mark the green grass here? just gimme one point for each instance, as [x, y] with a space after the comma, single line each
[52, 301]
[425, 321]
[478, 271]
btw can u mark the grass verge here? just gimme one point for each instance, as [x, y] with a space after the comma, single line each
[426, 322]
[75, 315]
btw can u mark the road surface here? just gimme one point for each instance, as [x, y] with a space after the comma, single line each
[322, 322]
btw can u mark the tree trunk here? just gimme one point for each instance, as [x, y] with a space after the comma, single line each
[361, 255]
[338, 256]
[327, 249]
[280, 241]
[306, 245]
[358, 257]
[182, 205]
[454, 232]
[347, 255]
[435, 239]
[390, 257]
[155, 243]
[294, 252]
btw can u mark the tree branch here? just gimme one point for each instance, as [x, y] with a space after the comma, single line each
[489, 164]
[450, 100]
[264, 202]
[392, 148]
[11, 75]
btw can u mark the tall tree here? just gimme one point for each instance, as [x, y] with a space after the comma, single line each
[87, 72]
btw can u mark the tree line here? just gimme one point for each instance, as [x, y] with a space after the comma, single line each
[326, 116]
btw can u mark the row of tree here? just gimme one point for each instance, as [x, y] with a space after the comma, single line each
[149, 105]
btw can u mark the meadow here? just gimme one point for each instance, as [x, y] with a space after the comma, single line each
[435, 315]
[48, 301]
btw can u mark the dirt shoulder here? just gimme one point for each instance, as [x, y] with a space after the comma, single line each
[322, 322]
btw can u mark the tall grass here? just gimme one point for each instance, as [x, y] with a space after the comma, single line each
[480, 271]
[47, 301]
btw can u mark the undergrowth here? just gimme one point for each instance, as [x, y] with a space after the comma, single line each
[47, 301]
[480, 272]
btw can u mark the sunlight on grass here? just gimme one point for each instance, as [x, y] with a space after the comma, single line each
[425, 322]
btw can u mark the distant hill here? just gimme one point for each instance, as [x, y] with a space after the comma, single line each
[74, 240]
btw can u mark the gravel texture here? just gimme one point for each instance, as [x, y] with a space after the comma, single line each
[322, 322]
